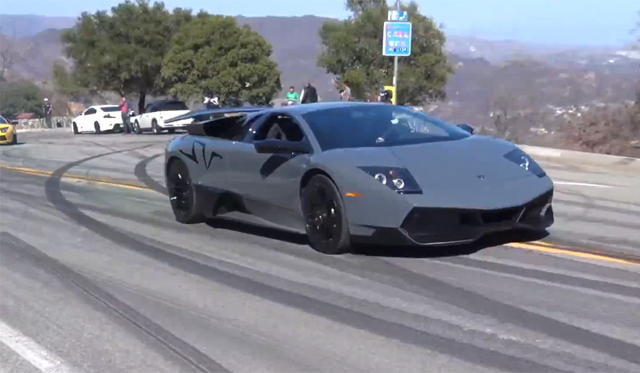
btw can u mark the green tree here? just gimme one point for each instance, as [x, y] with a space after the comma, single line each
[122, 51]
[353, 52]
[213, 54]
[20, 97]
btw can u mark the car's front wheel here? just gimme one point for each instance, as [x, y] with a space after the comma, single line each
[75, 128]
[14, 140]
[325, 216]
[96, 127]
[183, 194]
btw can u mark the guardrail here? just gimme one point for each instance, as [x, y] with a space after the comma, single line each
[41, 124]
[576, 157]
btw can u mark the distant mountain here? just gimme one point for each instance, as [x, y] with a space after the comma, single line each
[26, 26]
[530, 75]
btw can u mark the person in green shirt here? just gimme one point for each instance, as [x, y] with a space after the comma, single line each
[292, 95]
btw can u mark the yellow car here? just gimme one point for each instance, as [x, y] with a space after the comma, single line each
[8, 133]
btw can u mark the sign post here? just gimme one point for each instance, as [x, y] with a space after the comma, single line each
[396, 41]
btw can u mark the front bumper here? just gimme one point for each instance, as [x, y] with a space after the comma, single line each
[7, 137]
[428, 226]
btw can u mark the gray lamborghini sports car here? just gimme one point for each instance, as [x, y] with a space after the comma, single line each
[349, 172]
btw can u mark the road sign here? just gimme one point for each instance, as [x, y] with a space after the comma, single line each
[398, 16]
[397, 39]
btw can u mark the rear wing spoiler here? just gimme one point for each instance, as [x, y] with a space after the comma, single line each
[206, 115]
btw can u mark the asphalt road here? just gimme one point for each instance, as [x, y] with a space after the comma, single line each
[96, 276]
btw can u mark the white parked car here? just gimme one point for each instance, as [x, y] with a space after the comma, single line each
[98, 119]
[155, 114]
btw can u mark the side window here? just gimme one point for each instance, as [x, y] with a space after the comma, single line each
[246, 126]
[280, 127]
[90, 111]
[147, 109]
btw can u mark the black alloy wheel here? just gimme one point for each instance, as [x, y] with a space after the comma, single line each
[182, 194]
[325, 221]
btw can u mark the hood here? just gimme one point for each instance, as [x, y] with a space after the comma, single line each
[444, 164]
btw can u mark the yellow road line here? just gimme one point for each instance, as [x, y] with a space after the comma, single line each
[533, 246]
[553, 250]
[102, 181]
[541, 243]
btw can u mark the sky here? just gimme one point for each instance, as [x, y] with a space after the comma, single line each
[560, 22]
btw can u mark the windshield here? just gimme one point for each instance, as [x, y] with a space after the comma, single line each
[110, 108]
[174, 105]
[3, 121]
[362, 126]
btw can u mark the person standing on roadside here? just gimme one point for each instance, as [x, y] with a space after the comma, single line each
[309, 94]
[292, 96]
[124, 110]
[47, 109]
[345, 93]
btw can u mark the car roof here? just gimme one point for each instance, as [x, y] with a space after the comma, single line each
[308, 108]
[101, 106]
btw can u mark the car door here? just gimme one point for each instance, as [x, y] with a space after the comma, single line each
[269, 183]
[145, 118]
[87, 119]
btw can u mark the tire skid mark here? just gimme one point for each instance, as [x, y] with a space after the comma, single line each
[187, 353]
[388, 277]
[529, 273]
[106, 300]
[141, 174]
[608, 200]
[459, 350]
[482, 305]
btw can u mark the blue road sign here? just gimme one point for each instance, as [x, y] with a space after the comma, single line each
[397, 39]
[398, 16]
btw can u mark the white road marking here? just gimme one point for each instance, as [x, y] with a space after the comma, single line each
[45, 361]
[583, 184]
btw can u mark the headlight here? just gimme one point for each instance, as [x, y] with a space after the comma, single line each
[4, 130]
[398, 179]
[523, 160]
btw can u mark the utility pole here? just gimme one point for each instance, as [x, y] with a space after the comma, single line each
[395, 68]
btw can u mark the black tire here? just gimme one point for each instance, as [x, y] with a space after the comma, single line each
[14, 140]
[136, 127]
[326, 222]
[75, 128]
[172, 130]
[183, 194]
[155, 127]
[96, 126]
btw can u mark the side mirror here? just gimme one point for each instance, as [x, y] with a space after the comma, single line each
[466, 127]
[273, 146]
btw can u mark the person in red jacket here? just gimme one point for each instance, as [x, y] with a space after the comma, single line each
[124, 110]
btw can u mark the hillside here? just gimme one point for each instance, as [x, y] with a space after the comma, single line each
[539, 77]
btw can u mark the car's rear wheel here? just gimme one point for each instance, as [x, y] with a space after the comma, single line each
[75, 128]
[325, 217]
[182, 194]
[96, 127]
